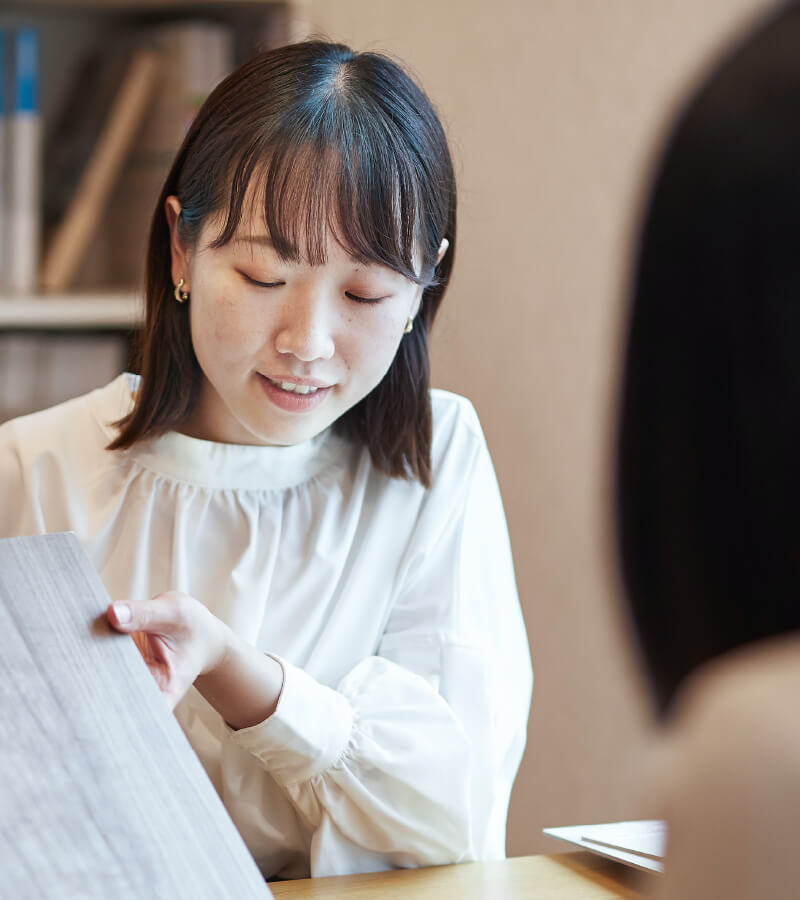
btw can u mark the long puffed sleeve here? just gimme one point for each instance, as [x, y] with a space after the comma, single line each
[409, 761]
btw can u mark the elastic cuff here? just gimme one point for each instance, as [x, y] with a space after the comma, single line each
[306, 734]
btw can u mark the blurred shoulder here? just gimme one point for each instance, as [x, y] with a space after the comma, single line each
[730, 777]
[747, 696]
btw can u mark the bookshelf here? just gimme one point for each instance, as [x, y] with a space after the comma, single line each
[74, 311]
[60, 342]
[73, 36]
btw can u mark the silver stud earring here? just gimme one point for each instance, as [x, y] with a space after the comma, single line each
[409, 325]
[181, 296]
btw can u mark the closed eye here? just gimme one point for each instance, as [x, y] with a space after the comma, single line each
[358, 299]
[263, 284]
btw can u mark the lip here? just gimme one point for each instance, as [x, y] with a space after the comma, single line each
[306, 382]
[293, 402]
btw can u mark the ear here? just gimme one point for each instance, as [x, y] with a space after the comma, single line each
[417, 302]
[181, 258]
[420, 290]
[439, 257]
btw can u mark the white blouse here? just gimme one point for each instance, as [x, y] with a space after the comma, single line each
[392, 608]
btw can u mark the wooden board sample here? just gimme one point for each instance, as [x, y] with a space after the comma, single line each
[101, 794]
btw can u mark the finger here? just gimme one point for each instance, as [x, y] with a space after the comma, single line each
[166, 614]
[119, 616]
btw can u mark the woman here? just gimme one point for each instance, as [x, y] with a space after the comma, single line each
[708, 480]
[307, 542]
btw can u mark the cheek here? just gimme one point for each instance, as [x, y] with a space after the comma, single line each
[225, 322]
[371, 343]
[223, 326]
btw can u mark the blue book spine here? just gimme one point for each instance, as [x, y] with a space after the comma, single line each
[25, 152]
[4, 175]
[27, 75]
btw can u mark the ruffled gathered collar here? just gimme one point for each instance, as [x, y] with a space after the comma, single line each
[211, 464]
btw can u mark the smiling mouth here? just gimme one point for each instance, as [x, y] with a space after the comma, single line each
[292, 388]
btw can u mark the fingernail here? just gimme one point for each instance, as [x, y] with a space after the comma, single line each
[122, 612]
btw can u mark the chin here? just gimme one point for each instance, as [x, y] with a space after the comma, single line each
[284, 437]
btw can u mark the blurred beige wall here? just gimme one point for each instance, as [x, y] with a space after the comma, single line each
[553, 108]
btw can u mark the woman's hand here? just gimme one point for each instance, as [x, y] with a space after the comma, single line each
[177, 636]
[185, 644]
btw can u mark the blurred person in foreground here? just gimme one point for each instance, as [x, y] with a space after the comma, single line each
[708, 479]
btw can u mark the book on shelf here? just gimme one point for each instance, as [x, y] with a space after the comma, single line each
[74, 233]
[23, 172]
[112, 146]
[3, 162]
[196, 56]
[75, 127]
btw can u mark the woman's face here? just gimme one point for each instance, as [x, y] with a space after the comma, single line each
[285, 348]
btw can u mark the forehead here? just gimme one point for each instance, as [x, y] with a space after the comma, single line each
[314, 235]
[252, 238]
[308, 201]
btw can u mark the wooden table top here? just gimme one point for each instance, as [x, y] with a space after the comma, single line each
[562, 876]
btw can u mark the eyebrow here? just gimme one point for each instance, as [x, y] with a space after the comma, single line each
[264, 240]
[261, 240]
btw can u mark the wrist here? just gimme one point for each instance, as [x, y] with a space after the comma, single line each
[222, 639]
[244, 685]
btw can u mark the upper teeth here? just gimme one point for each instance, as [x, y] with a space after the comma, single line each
[295, 388]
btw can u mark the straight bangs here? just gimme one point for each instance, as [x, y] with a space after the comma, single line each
[349, 181]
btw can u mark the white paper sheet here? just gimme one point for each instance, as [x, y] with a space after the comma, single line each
[640, 843]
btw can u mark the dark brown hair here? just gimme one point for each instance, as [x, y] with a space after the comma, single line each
[708, 481]
[332, 140]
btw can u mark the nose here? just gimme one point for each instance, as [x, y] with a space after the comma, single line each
[306, 329]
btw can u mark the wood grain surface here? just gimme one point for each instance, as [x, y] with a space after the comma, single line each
[101, 795]
[562, 876]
